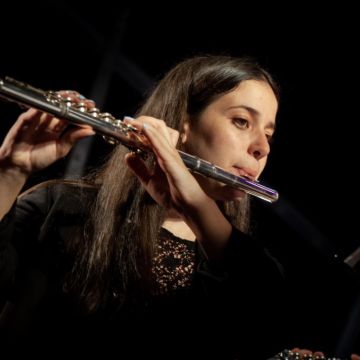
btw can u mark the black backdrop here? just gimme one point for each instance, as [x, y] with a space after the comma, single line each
[312, 53]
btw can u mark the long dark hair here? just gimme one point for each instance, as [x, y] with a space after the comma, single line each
[115, 256]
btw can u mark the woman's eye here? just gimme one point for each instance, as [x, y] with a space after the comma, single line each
[241, 123]
[270, 139]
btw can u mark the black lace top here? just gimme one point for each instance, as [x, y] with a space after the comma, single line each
[233, 309]
[174, 263]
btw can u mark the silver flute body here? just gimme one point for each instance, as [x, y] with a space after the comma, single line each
[115, 131]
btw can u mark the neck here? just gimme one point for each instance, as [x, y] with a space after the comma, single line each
[177, 226]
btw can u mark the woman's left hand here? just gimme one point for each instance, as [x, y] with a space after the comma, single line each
[172, 186]
[170, 183]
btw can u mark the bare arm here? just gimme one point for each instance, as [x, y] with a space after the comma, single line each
[11, 183]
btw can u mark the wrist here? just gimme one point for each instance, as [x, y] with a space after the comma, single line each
[210, 226]
[13, 174]
[12, 180]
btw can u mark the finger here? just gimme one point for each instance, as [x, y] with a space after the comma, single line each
[49, 123]
[135, 132]
[159, 126]
[67, 92]
[163, 141]
[70, 95]
[43, 127]
[305, 352]
[31, 119]
[162, 148]
[26, 123]
[19, 132]
[355, 357]
[34, 123]
[138, 167]
[162, 144]
[29, 116]
[76, 99]
[70, 137]
[83, 105]
[174, 135]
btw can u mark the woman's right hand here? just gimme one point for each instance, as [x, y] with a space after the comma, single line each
[37, 140]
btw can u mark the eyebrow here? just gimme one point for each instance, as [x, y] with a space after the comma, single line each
[254, 112]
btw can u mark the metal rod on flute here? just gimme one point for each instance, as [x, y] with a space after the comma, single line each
[115, 131]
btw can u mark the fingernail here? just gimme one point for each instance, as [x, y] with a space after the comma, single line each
[146, 126]
[129, 118]
[82, 97]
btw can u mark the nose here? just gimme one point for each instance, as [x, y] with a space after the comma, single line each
[259, 146]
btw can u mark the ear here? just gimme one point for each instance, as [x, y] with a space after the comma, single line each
[184, 134]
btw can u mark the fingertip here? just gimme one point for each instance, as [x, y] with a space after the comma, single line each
[32, 111]
[29, 113]
[73, 135]
[86, 132]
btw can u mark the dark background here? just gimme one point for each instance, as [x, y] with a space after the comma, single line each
[311, 52]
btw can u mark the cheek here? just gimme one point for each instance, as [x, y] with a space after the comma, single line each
[202, 144]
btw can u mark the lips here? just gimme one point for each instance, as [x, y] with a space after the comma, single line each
[245, 172]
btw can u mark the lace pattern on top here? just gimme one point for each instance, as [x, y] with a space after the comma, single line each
[174, 263]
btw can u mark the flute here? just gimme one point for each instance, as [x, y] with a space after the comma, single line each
[115, 131]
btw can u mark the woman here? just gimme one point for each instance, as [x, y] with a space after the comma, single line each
[165, 263]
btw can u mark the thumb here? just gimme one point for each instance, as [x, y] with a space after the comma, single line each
[138, 167]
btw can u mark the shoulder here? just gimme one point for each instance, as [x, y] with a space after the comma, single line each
[72, 195]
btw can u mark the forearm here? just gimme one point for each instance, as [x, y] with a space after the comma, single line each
[211, 228]
[11, 183]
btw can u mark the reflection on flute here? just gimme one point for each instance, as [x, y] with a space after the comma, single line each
[115, 131]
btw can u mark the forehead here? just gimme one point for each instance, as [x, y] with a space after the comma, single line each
[254, 94]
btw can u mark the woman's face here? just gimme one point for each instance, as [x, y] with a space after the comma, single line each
[233, 132]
